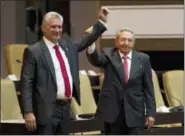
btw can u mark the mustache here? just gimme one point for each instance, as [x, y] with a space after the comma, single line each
[125, 45]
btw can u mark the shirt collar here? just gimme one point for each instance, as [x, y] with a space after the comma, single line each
[49, 43]
[129, 55]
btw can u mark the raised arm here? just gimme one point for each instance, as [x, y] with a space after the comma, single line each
[96, 32]
[95, 58]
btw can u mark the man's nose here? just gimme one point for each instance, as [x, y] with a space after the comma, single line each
[57, 29]
[126, 42]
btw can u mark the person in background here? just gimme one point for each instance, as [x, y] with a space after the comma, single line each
[127, 102]
[50, 75]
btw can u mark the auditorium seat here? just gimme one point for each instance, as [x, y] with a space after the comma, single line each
[88, 105]
[158, 95]
[10, 109]
[173, 82]
[13, 58]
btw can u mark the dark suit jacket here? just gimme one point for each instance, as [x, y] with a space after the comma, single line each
[137, 94]
[38, 82]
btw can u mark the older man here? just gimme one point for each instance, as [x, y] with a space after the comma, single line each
[127, 90]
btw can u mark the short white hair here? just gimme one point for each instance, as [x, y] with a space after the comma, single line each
[52, 15]
[125, 30]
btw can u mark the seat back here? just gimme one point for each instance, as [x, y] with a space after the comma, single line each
[14, 57]
[88, 104]
[10, 109]
[158, 96]
[173, 82]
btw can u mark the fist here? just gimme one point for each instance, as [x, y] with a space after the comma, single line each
[150, 121]
[103, 14]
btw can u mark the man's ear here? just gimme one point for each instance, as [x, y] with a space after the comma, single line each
[43, 28]
[116, 42]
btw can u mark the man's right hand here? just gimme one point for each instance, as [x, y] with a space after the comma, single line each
[103, 14]
[30, 121]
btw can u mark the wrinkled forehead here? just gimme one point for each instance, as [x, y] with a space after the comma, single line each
[126, 34]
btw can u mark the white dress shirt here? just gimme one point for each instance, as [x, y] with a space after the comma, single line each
[58, 72]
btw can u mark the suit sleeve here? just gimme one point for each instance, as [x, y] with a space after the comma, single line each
[27, 80]
[96, 59]
[149, 89]
[88, 39]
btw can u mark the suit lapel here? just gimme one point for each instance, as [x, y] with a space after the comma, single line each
[117, 62]
[48, 59]
[135, 62]
[63, 45]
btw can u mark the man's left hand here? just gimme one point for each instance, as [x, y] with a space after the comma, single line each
[150, 121]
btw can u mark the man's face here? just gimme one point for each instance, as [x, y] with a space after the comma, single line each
[125, 42]
[52, 29]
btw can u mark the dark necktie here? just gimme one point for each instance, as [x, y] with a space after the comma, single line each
[64, 71]
[125, 67]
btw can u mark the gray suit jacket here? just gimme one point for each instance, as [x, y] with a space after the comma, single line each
[38, 82]
[136, 95]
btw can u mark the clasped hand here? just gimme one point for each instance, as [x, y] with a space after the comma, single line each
[103, 14]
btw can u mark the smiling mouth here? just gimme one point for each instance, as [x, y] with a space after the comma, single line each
[56, 35]
[124, 46]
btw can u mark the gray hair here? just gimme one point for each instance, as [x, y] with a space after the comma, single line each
[125, 30]
[51, 15]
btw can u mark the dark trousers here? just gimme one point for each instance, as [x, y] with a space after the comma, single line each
[119, 127]
[60, 123]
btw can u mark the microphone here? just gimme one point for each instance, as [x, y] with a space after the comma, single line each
[18, 61]
[177, 108]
